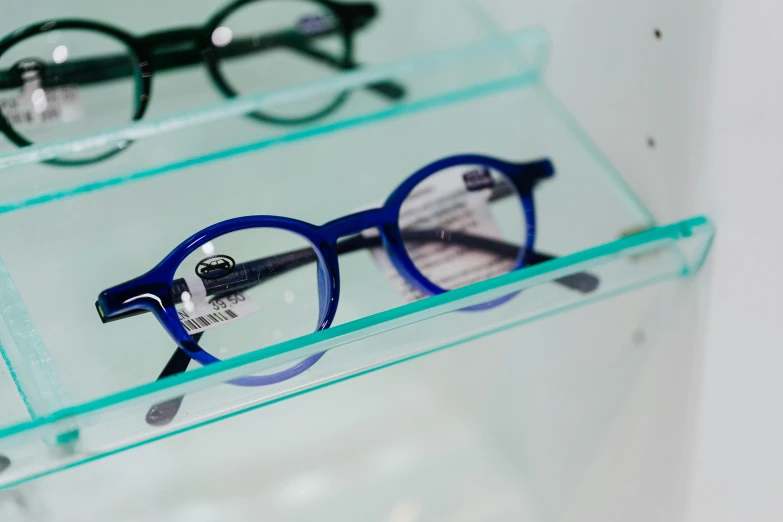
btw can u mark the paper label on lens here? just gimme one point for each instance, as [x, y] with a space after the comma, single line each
[37, 106]
[315, 24]
[478, 179]
[199, 317]
[442, 203]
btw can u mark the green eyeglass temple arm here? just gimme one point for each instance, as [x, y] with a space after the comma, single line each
[178, 48]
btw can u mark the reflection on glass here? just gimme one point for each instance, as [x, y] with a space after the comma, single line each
[39, 100]
[60, 54]
[187, 301]
[288, 296]
[222, 36]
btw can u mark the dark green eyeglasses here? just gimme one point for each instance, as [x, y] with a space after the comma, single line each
[63, 78]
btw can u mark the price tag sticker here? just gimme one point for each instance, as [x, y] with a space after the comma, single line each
[199, 314]
[216, 312]
[316, 24]
[37, 107]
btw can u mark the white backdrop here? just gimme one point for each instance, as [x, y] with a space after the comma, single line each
[709, 93]
[738, 455]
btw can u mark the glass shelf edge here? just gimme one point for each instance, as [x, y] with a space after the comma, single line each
[428, 62]
[403, 315]
[219, 418]
[519, 80]
[114, 451]
[34, 361]
[697, 264]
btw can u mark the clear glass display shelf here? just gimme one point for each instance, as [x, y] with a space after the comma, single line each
[188, 120]
[527, 431]
[86, 388]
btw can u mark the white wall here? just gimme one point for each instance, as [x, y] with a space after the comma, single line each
[710, 91]
[738, 449]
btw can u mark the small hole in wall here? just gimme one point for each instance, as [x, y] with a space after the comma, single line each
[651, 142]
[658, 34]
[639, 337]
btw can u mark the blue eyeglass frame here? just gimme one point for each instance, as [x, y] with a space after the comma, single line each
[151, 292]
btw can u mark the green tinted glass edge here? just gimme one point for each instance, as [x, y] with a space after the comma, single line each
[207, 422]
[425, 63]
[504, 84]
[432, 306]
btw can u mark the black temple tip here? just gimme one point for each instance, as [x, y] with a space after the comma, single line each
[162, 414]
[389, 89]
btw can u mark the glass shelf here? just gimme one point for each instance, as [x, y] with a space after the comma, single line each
[188, 122]
[87, 388]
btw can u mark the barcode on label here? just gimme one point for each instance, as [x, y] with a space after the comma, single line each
[201, 322]
[29, 118]
[201, 315]
[58, 105]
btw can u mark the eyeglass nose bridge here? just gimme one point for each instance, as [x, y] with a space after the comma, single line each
[181, 37]
[355, 223]
[27, 71]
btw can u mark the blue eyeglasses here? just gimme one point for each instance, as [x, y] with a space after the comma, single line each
[260, 280]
